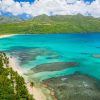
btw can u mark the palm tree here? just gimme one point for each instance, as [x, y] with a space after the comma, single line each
[31, 84]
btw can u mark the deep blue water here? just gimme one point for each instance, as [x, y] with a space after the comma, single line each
[33, 50]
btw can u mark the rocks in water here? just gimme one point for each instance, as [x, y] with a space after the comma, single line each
[56, 66]
[98, 47]
[28, 54]
[74, 87]
[84, 53]
[53, 57]
[96, 55]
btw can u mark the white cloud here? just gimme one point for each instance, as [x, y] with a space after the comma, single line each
[59, 7]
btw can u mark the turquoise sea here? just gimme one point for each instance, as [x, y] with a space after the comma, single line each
[37, 50]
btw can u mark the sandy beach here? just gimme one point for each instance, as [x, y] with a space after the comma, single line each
[35, 91]
[5, 36]
[15, 66]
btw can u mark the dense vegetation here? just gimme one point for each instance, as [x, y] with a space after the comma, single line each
[12, 86]
[53, 24]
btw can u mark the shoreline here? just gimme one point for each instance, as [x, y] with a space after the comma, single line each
[36, 92]
[5, 36]
[11, 34]
[15, 66]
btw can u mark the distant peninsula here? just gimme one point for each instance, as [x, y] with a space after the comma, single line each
[49, 24]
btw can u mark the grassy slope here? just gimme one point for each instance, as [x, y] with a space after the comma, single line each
[54, 24]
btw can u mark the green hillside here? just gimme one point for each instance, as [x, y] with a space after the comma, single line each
[53, 24]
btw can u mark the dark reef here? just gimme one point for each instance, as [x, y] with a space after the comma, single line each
[74, 87]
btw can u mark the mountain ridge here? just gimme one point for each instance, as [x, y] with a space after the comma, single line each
[6, 19]
[53, 24]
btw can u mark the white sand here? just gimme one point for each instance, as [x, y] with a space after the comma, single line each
[4, 36]
[36, 92]
[15, 66]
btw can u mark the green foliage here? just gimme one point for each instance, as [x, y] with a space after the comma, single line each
[12, 86]
[53, 24]
[32, 84]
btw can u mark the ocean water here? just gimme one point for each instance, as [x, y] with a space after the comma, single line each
[35, 51]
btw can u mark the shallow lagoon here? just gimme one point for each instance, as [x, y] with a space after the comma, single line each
[34, 51]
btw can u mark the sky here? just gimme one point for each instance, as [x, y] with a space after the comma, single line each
[25, 0]
[34, 0]
[32, 8]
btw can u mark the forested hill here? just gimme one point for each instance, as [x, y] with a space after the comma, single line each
[52, 24]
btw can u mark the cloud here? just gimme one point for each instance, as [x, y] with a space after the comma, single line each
[51, 7]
